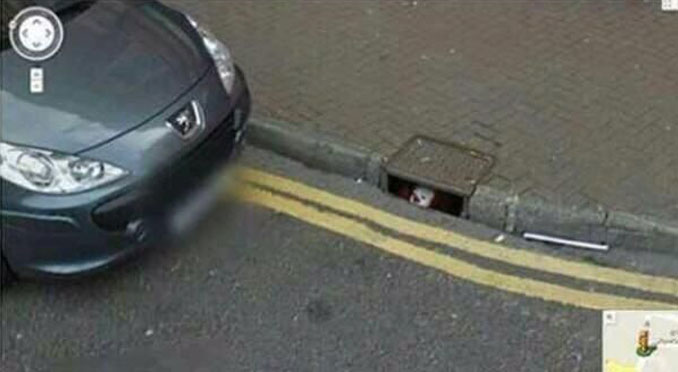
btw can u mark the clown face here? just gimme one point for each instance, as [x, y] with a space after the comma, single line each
[422, 196]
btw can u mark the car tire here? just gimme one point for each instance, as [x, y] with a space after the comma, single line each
[6, 276]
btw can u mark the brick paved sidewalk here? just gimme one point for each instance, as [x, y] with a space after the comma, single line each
[577, 101]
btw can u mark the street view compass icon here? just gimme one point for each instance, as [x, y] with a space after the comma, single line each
[36, 33]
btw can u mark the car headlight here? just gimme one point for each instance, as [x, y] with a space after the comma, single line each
[220, 54]
[53, 173]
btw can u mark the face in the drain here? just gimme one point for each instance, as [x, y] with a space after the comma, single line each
[422, 196]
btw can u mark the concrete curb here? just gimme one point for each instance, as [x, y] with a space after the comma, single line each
[515, 214]
[316, 150]
[488, 205]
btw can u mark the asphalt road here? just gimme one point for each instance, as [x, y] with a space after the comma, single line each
[255, 288]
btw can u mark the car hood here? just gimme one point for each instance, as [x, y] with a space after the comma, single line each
[121, 63]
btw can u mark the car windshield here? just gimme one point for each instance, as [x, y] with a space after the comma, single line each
[66, 9]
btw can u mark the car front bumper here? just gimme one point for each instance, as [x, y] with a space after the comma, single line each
[46, 235]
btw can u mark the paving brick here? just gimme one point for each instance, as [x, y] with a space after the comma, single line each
[573, 98]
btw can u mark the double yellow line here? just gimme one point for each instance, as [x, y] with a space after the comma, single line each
[317, 207]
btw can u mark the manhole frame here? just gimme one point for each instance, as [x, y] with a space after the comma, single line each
[390, 171]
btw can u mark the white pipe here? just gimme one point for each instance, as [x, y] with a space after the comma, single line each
[568, 242]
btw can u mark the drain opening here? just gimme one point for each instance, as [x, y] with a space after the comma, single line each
[426, 196]
[436, 174]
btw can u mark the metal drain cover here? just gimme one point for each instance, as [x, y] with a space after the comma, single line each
[444, 166]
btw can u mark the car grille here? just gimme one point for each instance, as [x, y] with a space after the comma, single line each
[172, 184]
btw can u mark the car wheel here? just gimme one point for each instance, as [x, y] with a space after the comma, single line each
[5, 273]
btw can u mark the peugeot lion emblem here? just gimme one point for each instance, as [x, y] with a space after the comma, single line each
[188, 121]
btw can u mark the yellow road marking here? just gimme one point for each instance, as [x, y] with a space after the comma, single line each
[522, 258]
[361, 232]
